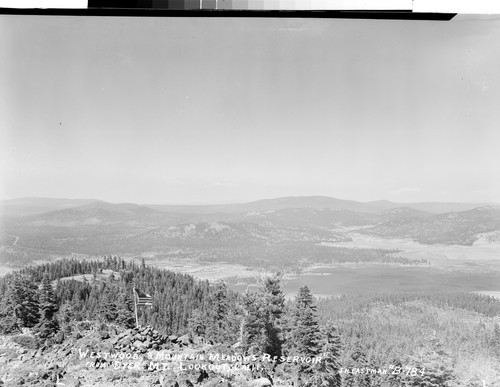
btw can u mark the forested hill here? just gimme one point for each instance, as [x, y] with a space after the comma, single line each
[49, 300]
[107, 292]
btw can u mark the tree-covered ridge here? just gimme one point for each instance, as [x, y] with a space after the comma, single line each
[251, 324]
[454, 336]
[461, 228]
[298, 250]
[176, 295]
[349, 305]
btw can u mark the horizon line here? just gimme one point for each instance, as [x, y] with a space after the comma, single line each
[244, 202]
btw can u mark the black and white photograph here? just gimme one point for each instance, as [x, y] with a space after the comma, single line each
[249, 201]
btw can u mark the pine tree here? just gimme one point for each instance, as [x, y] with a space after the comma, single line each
[252, 328]
[8, 320]
[124, 309]
[273, 305]
[260, 327]
[217, 329]
[109, 310]
[48, 324]
[66, 317]
[24, 299]
[304, 333]
[303, 337]
[327, 372]
[357, 361]
[48, 304]
[196, 324]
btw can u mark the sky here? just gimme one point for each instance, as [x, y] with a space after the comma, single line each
[219, 110]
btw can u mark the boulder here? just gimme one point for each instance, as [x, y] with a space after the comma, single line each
[125, 341]
[173, 338]
[261, 382]
[138, 336]
[70, 382]
[185, 383]
[185, 340]
[123, 334]
[104, 335]
[218, 383]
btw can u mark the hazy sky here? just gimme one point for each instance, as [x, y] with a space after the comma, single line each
[224, 110]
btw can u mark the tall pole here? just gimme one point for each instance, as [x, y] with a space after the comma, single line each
[135, 305]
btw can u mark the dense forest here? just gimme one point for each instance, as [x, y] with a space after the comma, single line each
[287, 256]
[417, 339]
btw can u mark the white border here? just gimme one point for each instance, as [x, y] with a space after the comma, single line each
[441, 6]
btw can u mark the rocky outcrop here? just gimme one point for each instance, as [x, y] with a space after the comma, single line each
[84, 357]
[144, 339]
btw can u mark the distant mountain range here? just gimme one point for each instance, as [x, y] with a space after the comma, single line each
[33, 206]
[290, 226]
[317, 202]
[101, 213]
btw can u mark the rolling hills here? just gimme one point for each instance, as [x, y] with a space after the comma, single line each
[263, 232]
[460, 228]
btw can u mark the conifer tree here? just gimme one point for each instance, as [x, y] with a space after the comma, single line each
[66, 317]
[76, 301]
[260, 327]
[196, 324]
[109, 309]
[8, 320]
[303, 336]
[48, 304]
[217, 329]
[124, 309]
[48, 324]
[357, 361]
[326, 373]
[23, 299]
[273, 308]
[252, 328]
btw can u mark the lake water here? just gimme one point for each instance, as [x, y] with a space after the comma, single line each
[387, 279]
[453, 268]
